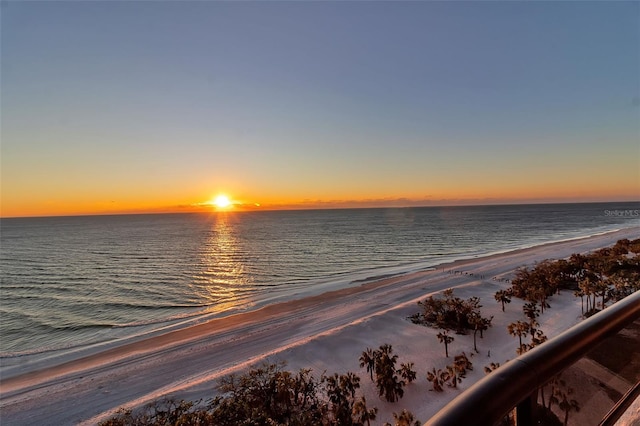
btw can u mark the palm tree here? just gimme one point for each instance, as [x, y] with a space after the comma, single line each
[341, 390]
[503, 296]
[368, 359]
[479, 324]
[304, 387]
[453, 376]
[476, 322]
[601, 289]
[435, 377]
[623, 284]
[387, 350]
[462, 364]
[519, 328]
[588, 287]
[579, 293]
[540, 294]
[537, 338]
[349, 382]
[446, 339]
[362, 414]
[531, 310]
[585, 289]
[407, 372]
[491, 367]
[486, 323]
[390, 387]
[396, 388]
[405, 418]
[386, 379]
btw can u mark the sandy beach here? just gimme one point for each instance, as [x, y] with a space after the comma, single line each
[327, 332]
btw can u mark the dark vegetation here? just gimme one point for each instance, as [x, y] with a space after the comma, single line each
[522, 329]
[451, 313]
[452, 373]
[608, 274]
[266, 396]
[269, 395]
[382, 363]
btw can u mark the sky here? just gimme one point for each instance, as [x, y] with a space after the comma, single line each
[121, 107]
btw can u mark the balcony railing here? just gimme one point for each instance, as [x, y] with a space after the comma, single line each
[515, 385]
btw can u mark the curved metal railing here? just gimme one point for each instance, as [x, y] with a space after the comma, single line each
[512, 385]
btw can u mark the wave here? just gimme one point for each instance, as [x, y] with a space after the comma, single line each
[91, 337]
[38, 351]
[167, 320]
[103, 284]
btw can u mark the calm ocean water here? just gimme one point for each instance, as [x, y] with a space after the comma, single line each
[73, 281]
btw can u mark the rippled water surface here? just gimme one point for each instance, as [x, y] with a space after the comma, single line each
[70, 281]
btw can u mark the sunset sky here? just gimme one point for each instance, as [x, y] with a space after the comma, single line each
[116, 107]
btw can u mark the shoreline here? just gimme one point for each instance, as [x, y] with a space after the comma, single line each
[178, 325]
[236, 341]
[165, 333]
[187, 319]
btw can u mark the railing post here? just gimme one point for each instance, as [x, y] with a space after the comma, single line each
[525, 410]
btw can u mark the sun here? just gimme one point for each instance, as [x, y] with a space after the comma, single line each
[221, 201]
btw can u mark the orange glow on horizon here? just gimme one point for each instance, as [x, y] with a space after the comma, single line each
[93, 204]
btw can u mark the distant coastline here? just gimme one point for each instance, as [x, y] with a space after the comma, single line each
[339, 205]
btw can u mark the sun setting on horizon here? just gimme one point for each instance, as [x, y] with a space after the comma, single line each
[221, 201]
[303, 117]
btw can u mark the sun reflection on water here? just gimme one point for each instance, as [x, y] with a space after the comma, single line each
[222, 283]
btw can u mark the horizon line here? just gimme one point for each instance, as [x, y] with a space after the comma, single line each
[300, 207]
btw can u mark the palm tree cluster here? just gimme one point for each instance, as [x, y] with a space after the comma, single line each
[382, 364]
[404, 418]
[160, 413]
[452, 374]
[520, 329]
[451, 313]
[491, 367]
[532, 312]
[437, 378]
[445, 339]
[503, 297]
[267, 395]
[523, 328]
[610, 273]
[480, 324]
[362, 414]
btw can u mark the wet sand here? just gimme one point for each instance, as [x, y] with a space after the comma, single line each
[323, 332]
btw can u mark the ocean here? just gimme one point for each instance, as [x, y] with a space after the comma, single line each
[69, 282]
